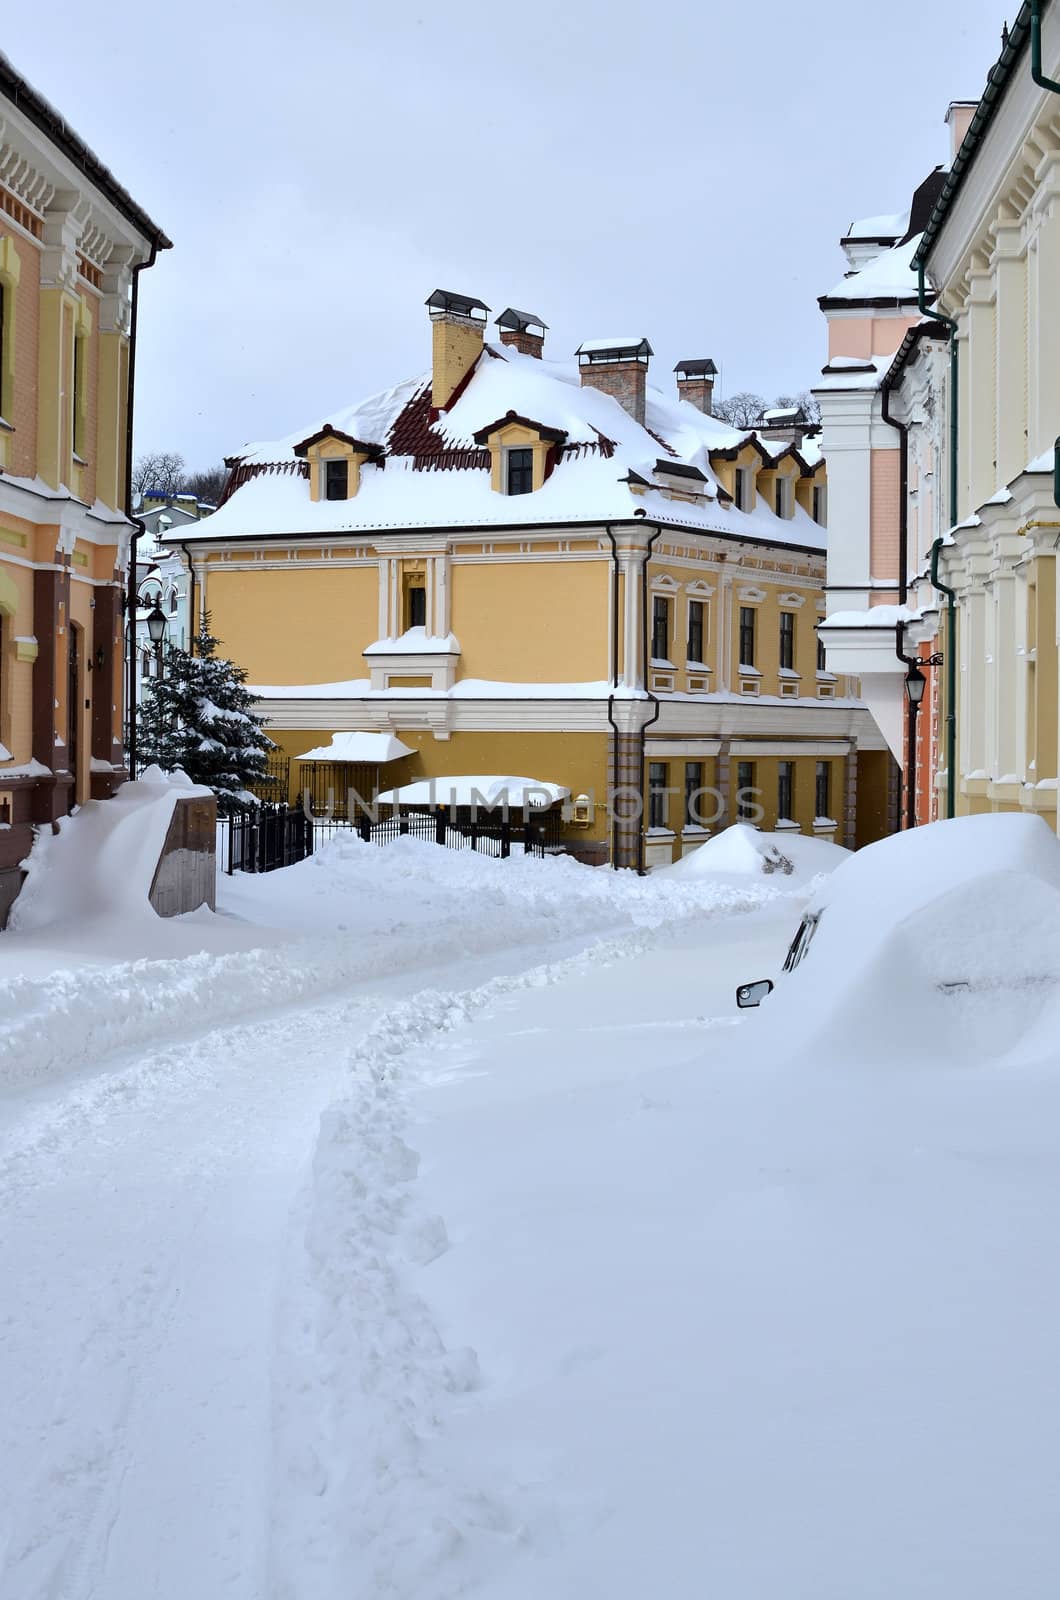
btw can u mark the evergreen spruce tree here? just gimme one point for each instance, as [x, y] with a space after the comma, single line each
[199, 716]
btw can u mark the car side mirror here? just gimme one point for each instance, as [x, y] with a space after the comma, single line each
[752, 994]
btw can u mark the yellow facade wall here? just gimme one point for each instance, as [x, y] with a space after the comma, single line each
[291, 626]
[542, 622]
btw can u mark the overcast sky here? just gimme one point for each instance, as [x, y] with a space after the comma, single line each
[682, 171]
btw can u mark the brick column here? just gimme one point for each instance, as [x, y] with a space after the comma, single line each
[49, 588]
[104, 680]
[625, 798]
[850, 818]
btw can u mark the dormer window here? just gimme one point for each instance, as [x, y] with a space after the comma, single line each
[519, 467]
[336, 480]
[744, 488]
[522, 452]
[417, 606]
[783, 497]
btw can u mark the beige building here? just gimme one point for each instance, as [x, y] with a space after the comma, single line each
[553, 571]
[992, 248]
[72, 244]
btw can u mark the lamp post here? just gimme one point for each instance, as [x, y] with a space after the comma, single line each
[156, 632]
[915, 684]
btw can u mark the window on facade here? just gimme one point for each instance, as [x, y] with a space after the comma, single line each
[744, 488]
[660, 628]
[695, 630]
[520, 470]
[417, 606]
[787, 640]
[820, 504]
[747, 636]
[822, 658]
[823, 794]
[658, 782]
[3, 350]
[785, 788]
[336, 480]
[172, 602]
[693, 793]
[745, 783]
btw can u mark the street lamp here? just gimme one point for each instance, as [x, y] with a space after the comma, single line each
[915, 684]
[156, 631]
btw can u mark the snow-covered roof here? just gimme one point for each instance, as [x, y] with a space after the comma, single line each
[432, 472]
[887, 276]
[888, 225]
[374, 748]
[486, 790]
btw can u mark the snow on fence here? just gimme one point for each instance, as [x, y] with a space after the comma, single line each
[262, 838]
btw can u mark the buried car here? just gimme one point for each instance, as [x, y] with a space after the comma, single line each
[953, 928]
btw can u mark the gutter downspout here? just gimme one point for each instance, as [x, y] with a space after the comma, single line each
[951, 677]
[653, 698]
[1036, 51]
[614, 685]
[138, 525]
[951, 597]
[193, 621]
[902, 429]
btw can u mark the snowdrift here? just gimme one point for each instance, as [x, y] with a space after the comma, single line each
[948, 935]
[742, 849]
[102, 862]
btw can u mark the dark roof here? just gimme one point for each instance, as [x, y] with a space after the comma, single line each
[45, 117]
[640, 348]
[1014, 42]
[328, 432]
[555, 435]
[697, 369]
[461, 304]
[929, 329]
[680, 469]
[923, 202]
[521, 321]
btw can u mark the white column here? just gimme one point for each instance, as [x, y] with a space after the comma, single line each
[973, 655]
[1005, 704]
[1010, 271]
[979, 389]
[384, 588]
[632, 675]
[1044, 421]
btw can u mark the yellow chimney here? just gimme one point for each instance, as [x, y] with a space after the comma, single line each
[459, 325]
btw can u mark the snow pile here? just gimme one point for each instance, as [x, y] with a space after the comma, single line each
[102, 862]
[741, 849]
[358, 912]
[959, 919]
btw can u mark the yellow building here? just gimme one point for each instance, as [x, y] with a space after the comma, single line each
[551, 571]
[72, 243]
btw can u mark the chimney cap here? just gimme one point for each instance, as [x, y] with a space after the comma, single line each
[443, 302]
[699, 368]
[592, 351]
[520, 321]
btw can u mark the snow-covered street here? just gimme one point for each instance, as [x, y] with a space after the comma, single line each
[467, 1240]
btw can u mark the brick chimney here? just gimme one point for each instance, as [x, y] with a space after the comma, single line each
[523, 330]
[959, 114]
[459, 325]
[618, 367]
[695, 382]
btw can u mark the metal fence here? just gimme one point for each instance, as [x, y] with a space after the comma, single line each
[270, 836]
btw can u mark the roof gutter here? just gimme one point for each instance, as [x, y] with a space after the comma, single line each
[614, 684]
[1036, 51]
[647, 679]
